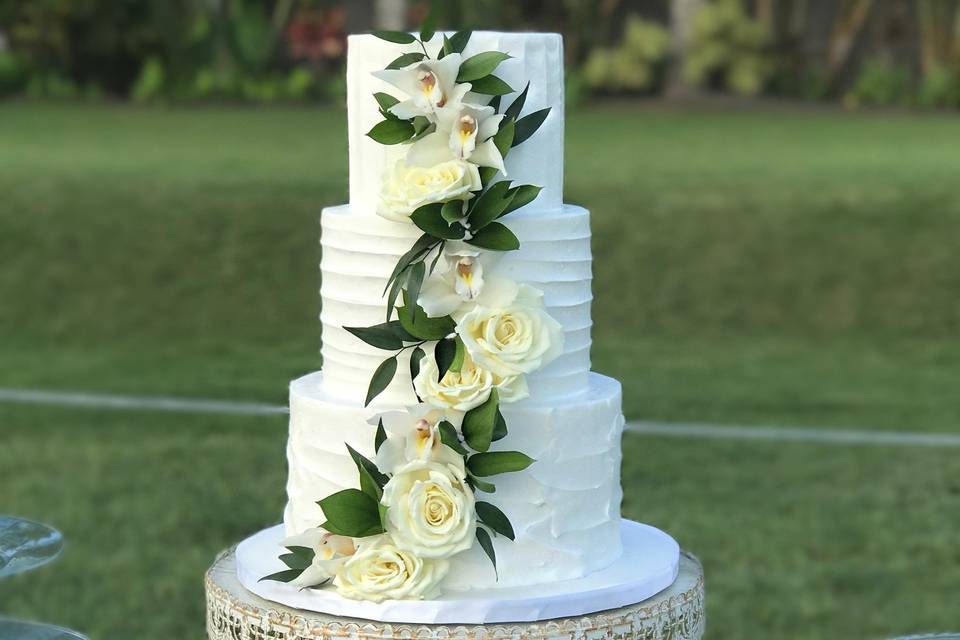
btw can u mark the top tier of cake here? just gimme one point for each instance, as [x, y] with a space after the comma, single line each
[537, 58]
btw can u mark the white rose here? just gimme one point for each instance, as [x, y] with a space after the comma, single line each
[330, 551]
[430, 509]
[465, 389]
[380, 571]
[405, 188]
[516, 338]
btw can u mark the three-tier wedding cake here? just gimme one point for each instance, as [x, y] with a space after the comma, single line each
[456, 448]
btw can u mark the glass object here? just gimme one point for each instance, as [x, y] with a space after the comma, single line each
[20, 630]
[26, 545]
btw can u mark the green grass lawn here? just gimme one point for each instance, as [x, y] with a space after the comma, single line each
[762, 267]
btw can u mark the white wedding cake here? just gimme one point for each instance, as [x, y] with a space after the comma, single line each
[456, 440]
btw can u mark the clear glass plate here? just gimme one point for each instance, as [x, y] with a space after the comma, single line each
[26, 545]
[20, 630]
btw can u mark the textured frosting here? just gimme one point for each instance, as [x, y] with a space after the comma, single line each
[537, 58]
[565, 508]
[554, 256]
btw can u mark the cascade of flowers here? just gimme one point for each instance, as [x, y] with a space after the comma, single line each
[473, 335]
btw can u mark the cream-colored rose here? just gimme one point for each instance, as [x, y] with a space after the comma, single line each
[430, 509]
[380, 571]
[406, 188]
[330, 551]
[465, 389]
[513, 339]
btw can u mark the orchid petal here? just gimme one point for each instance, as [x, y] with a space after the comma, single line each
[487, 155]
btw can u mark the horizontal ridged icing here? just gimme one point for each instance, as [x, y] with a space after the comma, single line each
[537, 58]
[358, 257]
[565, 508]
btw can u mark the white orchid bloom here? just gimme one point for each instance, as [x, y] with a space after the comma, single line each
[414, 435]
[330, 551]
[464, 132]
[430, 86]
[462, 281]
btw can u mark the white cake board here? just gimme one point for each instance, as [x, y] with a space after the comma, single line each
[649, 564]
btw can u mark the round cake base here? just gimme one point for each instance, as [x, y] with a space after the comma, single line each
[233, 613]
[649, 564]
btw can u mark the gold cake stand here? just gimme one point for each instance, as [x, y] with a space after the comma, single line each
[233, 613]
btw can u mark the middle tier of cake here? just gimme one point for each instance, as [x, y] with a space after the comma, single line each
[360, 251]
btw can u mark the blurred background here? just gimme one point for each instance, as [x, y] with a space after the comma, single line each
[776, 216]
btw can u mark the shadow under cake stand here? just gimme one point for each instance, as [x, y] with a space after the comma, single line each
[234, 613]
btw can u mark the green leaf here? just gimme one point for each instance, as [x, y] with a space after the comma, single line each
[381, 436]
[429, 26]
[445, 49]
[495, 519]
[421, 128]
[458, 356]
[495, 103]
[415, 358]
[523, 194]
[391, 131]
[480, 65]
[397, 328]
[528, 125]
[288, 575]
[436, 259]
[394, 292]
[351, 512]
[371, 480]
[406, 60]
[490, 86]
[452, 211]
[490, 205]
[494, 463]
[480, 485]
[499, 427]
[385, 100]
[294, 561]
[305, 553]
[415, 280]
[478, 423]
[513, 111]
[420, 248]
[381, 378]
[382, 336]
[487, 544]
[496, 237]
[429, 219]
[419, 324]
[398, 37]
[444, 353]
[449, 437]
[458, 41]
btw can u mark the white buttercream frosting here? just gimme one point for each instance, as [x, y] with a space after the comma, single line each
[565, 508]
[536, 57]
[554, 257]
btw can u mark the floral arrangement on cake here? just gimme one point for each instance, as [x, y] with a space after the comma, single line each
[473, 335]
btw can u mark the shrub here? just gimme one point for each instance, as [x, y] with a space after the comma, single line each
[634, 64]
[13, 76]
[940, 87]
[726, 43]
[881, 84]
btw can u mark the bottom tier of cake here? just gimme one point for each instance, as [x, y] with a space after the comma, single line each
[649, 564]
[565, 508]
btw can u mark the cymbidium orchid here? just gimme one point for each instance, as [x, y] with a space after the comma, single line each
[462, 281]
[430, 85]
[330, 551]
[464, 132]
[414, 435]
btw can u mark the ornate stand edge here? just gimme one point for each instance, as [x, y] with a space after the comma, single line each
[679, 616]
